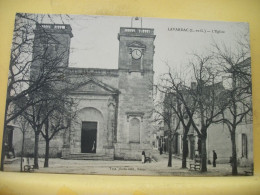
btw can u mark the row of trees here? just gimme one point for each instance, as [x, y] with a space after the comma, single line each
[220, 92]
[38, 89]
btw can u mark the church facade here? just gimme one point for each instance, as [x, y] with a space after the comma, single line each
[114, 106]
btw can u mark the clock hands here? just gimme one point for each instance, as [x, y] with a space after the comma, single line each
[136, 54]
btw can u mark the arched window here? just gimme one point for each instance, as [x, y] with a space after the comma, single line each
[134, 130]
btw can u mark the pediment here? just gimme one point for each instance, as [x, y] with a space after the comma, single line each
[137, 44]
[94, 86]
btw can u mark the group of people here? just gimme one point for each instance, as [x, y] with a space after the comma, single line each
[144, 158]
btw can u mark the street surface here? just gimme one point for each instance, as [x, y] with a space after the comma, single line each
[117, 167]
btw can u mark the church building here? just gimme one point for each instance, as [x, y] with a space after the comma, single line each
[114, 106]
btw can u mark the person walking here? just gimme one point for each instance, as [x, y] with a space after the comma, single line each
[143, 157]
[214, 158]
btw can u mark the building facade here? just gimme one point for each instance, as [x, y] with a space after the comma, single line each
[114, 106]
[218, 134]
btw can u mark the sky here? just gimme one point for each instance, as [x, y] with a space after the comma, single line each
[95, 44]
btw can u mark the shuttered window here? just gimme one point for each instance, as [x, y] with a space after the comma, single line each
[244, 145]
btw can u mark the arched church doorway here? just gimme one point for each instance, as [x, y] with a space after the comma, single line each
[88, 137]
[91, 134]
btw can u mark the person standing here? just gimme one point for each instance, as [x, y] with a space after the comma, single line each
[143, 157]
[161, 150]
[214, 158]
[94, 147]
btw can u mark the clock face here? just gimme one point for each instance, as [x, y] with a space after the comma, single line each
[136, 54]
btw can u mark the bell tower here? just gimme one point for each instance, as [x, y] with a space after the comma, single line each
[136, 49]
[135, 83]
[51, 45]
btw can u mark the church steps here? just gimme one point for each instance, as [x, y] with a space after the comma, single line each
[88, 156]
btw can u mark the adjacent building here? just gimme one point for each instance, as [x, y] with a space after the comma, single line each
[218, 135]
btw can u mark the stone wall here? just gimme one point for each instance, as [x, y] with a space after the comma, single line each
[54, 40]
[120, 101]
[146, 41]
[55, 148]
[135, 101]
[92, 110]
[220, 141]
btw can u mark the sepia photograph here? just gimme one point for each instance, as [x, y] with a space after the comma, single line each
[110, 95]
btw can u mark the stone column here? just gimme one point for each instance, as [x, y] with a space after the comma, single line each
[110, 122]
[66, 142]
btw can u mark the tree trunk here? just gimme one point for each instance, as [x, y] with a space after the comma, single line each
[3, 149]
[185, 151]
[4, 135]
[234, 153]
[203, 154]
[170, 152]
[22, 152]
[46, 160]
[36, 148]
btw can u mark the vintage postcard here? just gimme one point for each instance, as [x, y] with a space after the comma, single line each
[128, 96]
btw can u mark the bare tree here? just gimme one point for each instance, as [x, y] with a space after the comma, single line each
[164, 113]
[33, 66]
[19, 71]
[208, 96]
[36, 115]
[207, 101]
[59, 120]
[23, 127]
[182, 96]
[178, 94]
[20, 81]
[50, 114]
[235, 64]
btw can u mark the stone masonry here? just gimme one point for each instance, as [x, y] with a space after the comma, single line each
[114, 105]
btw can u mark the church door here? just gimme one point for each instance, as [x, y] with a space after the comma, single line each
[89, 137]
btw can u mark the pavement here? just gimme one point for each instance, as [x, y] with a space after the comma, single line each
[119, 167]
